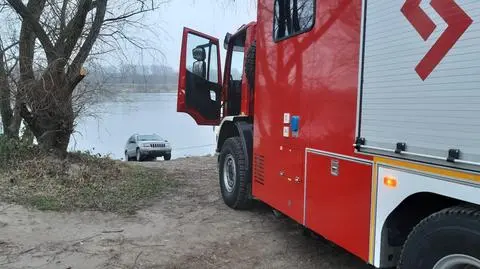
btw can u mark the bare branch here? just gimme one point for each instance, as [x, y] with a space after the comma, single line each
[14, 65]
[74, 70]
[131, 14]
[63, 15]
[70, 36]
[32, 20]
[3, 50]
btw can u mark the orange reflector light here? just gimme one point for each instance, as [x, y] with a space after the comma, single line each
[390, 181]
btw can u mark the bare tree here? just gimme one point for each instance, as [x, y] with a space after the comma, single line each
[56, 39]
[9, 113]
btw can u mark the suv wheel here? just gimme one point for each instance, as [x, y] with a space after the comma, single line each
[139, 155]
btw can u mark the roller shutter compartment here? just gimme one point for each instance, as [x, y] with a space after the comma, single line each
[420, 81]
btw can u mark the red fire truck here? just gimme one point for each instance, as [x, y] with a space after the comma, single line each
[358, 119]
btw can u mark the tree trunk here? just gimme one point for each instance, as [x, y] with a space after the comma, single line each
[27, 135]
[6, 115]
[6, 112]
[52, 119]
[55, 134]
[14, 127]
[51, 129]
[11, 118]
[55, 141]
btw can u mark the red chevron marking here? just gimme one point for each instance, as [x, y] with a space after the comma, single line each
[418, 18]
[458, 22]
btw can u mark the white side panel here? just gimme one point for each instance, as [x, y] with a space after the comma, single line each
[433, 115]
[410, 183]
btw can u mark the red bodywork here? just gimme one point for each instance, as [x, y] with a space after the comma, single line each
[316, 178]
[313, 75]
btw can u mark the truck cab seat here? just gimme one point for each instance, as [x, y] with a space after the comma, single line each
[199, 66]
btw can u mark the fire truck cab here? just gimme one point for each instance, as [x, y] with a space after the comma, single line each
[357, 119]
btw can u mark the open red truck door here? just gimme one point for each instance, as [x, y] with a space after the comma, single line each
[200, 78]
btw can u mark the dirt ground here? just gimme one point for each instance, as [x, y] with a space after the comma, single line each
[187, 228]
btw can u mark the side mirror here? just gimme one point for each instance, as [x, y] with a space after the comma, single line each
[237, 43]
[228, 36]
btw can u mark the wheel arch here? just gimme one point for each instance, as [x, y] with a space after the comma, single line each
[241, 127]
[227, 130]
[417, 195]
[402, 220]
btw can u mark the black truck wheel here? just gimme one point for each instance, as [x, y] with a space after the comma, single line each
[235, 183]
[250, 65]
[449, 239]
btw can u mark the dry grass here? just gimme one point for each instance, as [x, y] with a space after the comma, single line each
[80, 181]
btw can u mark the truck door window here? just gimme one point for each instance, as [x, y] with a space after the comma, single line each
[235, 83]
[293, 17]
[202, 58]
[237, 65]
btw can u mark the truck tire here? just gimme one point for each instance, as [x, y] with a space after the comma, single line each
[447, 239]
[250, 65]
[167, 157]
[235, 183]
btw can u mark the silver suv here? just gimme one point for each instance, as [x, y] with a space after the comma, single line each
[147, 147]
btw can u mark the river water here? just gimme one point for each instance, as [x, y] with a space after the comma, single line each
[145, 113]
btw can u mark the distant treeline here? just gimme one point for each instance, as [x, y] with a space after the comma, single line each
[153, 78]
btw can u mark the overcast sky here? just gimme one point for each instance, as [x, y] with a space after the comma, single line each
[213, 17]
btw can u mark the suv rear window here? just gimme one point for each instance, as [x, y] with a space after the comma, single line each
[293, 17]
